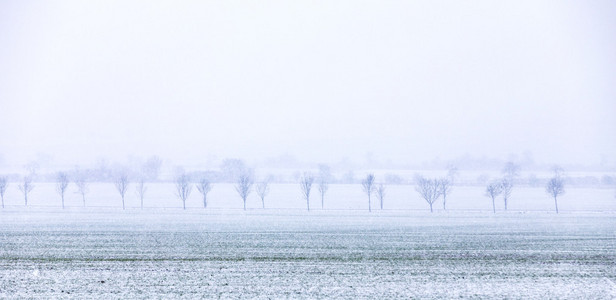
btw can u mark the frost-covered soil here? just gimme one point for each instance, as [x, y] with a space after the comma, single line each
[169, 253]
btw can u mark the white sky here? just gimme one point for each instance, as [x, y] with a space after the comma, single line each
[405, 80]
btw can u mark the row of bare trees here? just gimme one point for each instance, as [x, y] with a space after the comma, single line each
[26, 186]
[183, 186]
[370, 187]
[62, 182]
[430, 189]
[554, 187]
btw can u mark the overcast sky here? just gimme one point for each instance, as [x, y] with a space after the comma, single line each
[321, 80]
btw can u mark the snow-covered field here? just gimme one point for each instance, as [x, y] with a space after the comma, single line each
[285, 252]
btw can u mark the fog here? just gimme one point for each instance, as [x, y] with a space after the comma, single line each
[316, 81]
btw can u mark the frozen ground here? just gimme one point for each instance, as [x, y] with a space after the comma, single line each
[226, 253]
[100, 251]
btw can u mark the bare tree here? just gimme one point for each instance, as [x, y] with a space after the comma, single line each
[262, 190]
[204, 186]
[368, 187]
[305, 183]
[31, 168]
[558, 171]
[494, 189]
[121, 183]
[428, 189]
[510, 171]
[323, 187]
[444, 187]
[3, 185]
[81, 181]
[452, 172]
[61, 185]
[183, 188]
[232, 169]
[141, 188]
[555, 187]
[507, 186]
[324, 177]
[150, 169]
[380, 193]
[243, 185]
[26, 187]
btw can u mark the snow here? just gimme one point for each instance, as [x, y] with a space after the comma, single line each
[101, 251]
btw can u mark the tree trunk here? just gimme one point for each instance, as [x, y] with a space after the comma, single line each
[62, 201]
[83, 196]
[2, 201]
[184, 203]
[141, 202]
[505, 203]
[322, 201]
[431, 211]
[369, 204]
[381, 203]
[244, 203]
[123, 207]
[26, 198]
[204, 201]
[493, 205]
[308, 203]
[444, 201]
[263, 202]
[556, 204]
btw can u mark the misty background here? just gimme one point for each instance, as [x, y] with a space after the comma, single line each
[387, 84]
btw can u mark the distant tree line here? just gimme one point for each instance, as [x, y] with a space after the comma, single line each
[244, 182]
